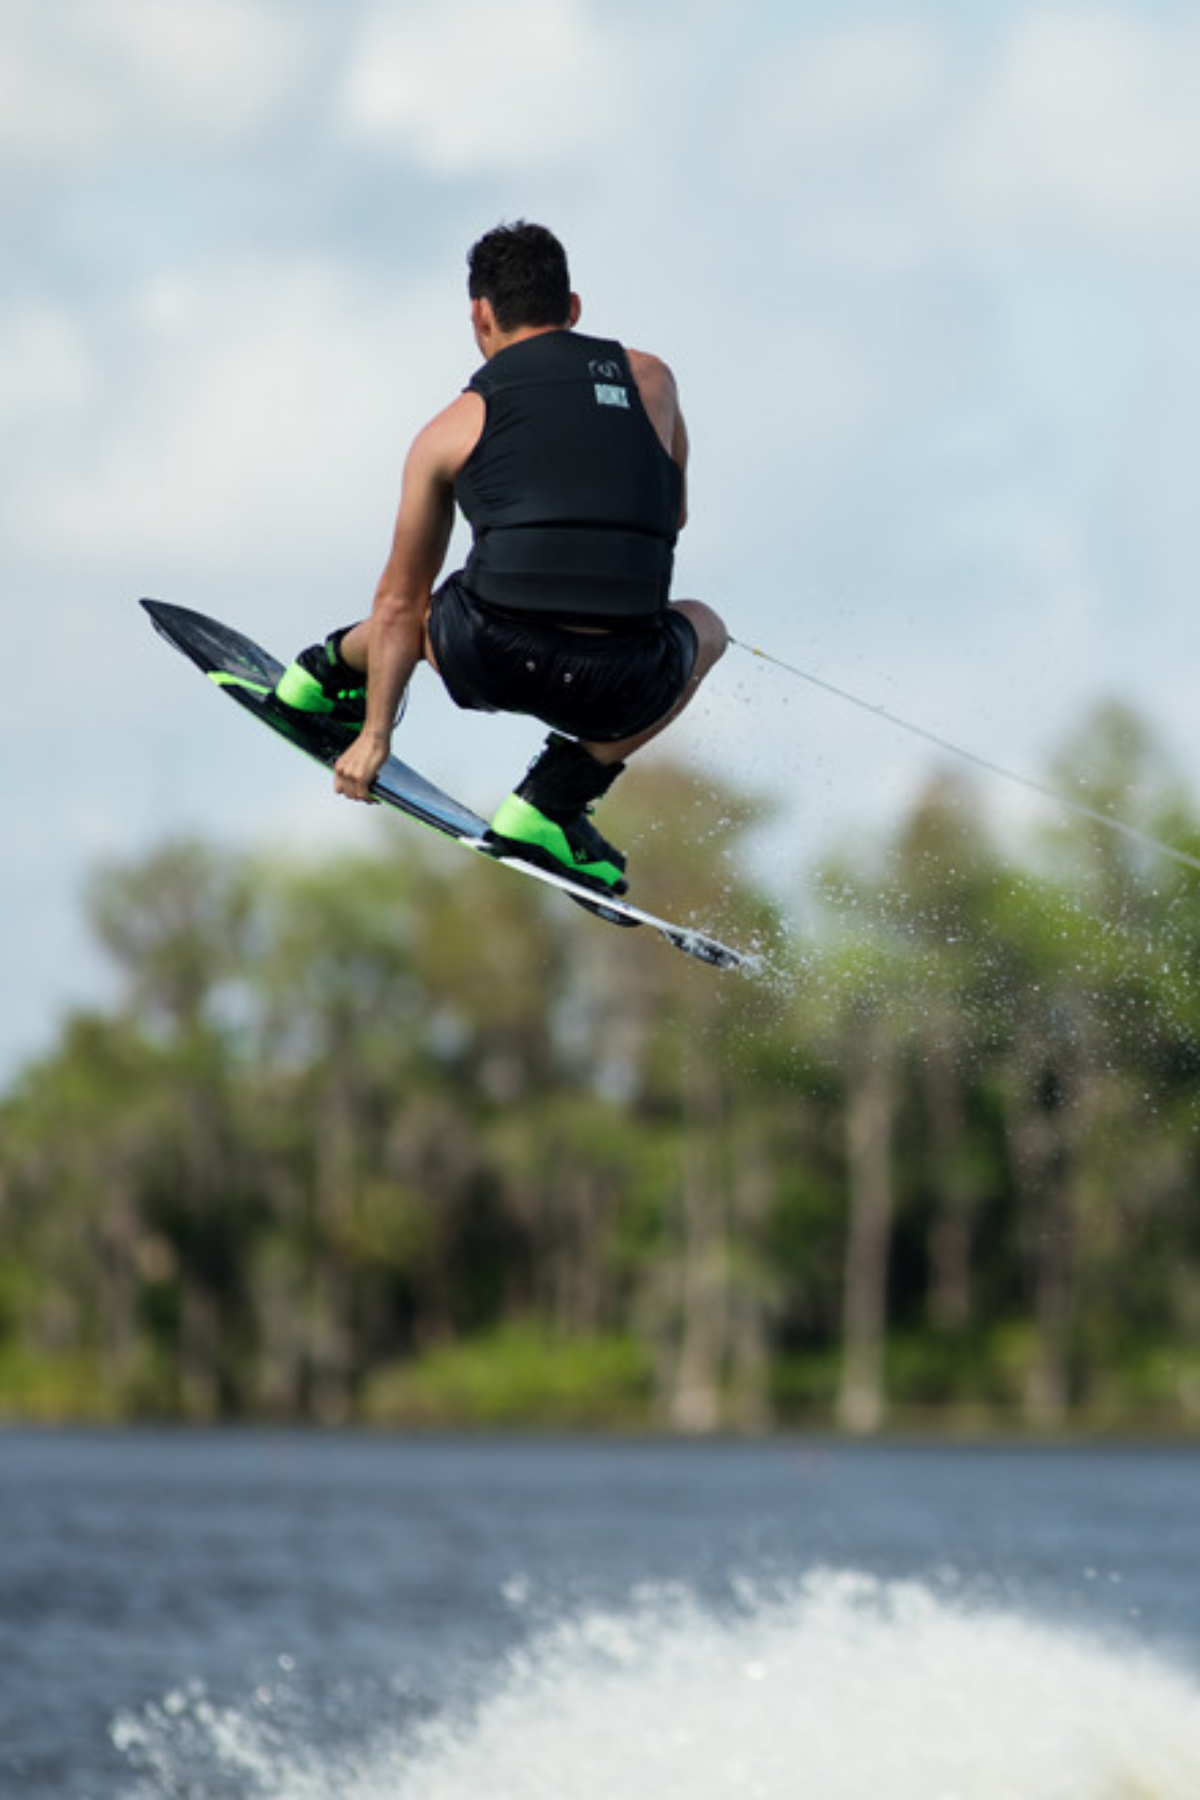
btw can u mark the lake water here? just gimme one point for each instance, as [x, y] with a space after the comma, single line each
[346, 1617]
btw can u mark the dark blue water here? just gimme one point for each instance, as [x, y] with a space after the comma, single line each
[294, 1615]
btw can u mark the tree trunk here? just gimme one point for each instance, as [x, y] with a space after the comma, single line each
[950, 1238]
[1036, 1137]
[694, 1403]
[870, 1105]
[750, 1311]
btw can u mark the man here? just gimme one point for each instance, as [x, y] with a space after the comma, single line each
[567, 455]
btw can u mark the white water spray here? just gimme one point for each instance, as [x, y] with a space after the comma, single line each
[840, 1688]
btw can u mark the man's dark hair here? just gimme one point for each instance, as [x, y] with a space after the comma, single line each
[522, 270]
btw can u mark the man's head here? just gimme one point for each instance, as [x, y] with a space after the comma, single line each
[521, 271]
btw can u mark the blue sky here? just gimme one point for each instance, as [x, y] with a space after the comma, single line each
[927, 276]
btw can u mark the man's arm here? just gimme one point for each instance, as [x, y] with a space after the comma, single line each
[395, 632]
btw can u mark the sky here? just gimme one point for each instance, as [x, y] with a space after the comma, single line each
[927, 276]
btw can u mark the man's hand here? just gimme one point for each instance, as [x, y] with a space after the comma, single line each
[359, 764]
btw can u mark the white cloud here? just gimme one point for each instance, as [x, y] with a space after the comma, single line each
[470, 86]
[850, 81]
[961, 239]
[81, 78]
[891, 140]
[1086, 127]
[256, 418]
[46, 369]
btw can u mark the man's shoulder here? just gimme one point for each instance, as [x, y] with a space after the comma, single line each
[444, 444]
[645, 364]
[652, 374]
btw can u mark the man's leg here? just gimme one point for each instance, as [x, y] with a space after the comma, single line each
[712, 640]
[548, 812]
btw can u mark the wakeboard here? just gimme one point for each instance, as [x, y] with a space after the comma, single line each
[248, 674]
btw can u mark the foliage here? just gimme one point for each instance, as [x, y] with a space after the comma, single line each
[518, 1375]
[396, 1137]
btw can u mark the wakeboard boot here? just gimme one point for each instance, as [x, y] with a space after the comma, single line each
[320, 681]
[546, 819]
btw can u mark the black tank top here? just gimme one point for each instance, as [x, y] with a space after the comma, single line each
[573, 501]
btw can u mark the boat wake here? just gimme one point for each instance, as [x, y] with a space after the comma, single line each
[837, 1686]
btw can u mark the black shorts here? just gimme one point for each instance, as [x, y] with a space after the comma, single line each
[598, 686]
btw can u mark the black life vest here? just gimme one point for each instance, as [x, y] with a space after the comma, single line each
[573, 501]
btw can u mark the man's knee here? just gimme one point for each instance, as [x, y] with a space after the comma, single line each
[712, 639]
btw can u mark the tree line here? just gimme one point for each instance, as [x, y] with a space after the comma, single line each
[396, 1137]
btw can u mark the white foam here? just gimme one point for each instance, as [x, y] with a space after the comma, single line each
[841, 1687]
